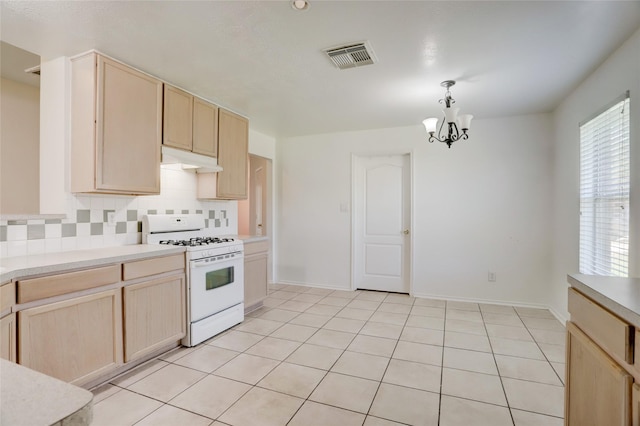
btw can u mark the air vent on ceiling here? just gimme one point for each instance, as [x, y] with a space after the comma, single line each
[33, 70]
[351, 55]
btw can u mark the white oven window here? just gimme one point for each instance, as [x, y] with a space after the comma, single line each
[219, 278]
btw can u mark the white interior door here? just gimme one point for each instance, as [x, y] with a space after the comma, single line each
[381, 218]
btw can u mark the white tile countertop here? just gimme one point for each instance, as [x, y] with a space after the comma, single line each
[619, 295]
[21, 266]
[32, 398]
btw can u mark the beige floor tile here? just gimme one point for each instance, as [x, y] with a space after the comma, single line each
[422, 335]
[463, 306]
[497, 309]
[364, 304]
[262, 407]
[543, 324]
[472, 342]
[475, 386]
[372, 345]
[463, 412]
[418, 352]
[259, 326]
[361, 365]
[403, 299]
[535, 397]
[379, 329]
[559, 368]
[292, 379]
[256, 313]
[351, 393]
[280, 315]
[334, 301]
[458, 314]
[315, 356]
[298, 333]
[236, 340]
[434, 303]
[524, 418]
[331, 338]
[377, 421]
[283, 294]
[247, 368]
[167, 382]
[123, 408]
[513, 347]
[549, 336]
[323, 310]
[463, 326]
[292, 305]
[428, 311]
[310, 320]
[319, 291]
[395, 308]
[509, 332]
[405, 405]
[140, 372]
[207, 358]
[527, 369]
[554, 353]
[314, 414]
[352, 313]
[344, 324]
[177, 353]
[104, 391]
[172, 416]
[425, 322]
[273, 348]
[413, 375]
[271, 302]
[373, 296]
[512, 320]
[211, 396]
[309, 298]
[534, 312]
[389, 317]
[346, 294]
[462, 359]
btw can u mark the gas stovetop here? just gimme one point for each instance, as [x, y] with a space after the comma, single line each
[196, 241]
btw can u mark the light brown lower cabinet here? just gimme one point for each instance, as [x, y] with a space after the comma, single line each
[154, 315]
[256, 257]
[598, 390]
[8, 337]
[635, 405]
[76, 340]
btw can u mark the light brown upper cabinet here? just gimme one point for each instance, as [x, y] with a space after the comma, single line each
[116, 128]
[233, 155]
[190, 123]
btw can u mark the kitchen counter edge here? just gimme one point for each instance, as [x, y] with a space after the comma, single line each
[248, 239]
[619, 295]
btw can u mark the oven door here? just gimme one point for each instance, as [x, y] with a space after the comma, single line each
[215, 285]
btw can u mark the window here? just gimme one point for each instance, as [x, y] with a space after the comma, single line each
[604, 192]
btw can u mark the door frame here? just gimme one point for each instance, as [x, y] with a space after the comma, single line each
[354, 158]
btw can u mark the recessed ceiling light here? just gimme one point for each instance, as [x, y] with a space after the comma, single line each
[300, 4]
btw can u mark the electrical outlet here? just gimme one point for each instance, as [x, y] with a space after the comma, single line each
[111, 218]
[491, 277]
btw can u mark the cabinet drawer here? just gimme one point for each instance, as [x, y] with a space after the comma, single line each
[607, 330]
[55, 285]
[256, 247]
[7, 296]
[157, 265]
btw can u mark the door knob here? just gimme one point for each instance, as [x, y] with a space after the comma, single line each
[406, 232]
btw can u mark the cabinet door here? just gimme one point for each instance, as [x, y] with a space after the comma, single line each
[128, 130]
[76, 340]
[205, 128]
[255, 279]
[8, 337]
[233, 155]
[598, 390]
[154, 315]
[635, 405]
[177, 124]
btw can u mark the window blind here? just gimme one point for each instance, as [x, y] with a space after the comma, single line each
[604, 192]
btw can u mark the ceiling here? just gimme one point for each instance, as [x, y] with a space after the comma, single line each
[265, 60]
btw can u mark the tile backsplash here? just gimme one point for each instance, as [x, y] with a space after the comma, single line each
[86, 224]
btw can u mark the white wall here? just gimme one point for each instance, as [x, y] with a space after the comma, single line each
[620, 72]
[482, 205]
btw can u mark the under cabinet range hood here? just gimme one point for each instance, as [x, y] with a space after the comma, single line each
[190, 160]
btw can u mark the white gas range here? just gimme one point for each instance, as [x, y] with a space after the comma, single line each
[215, 272]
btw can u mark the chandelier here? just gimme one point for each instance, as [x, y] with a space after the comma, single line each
[457, 125]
